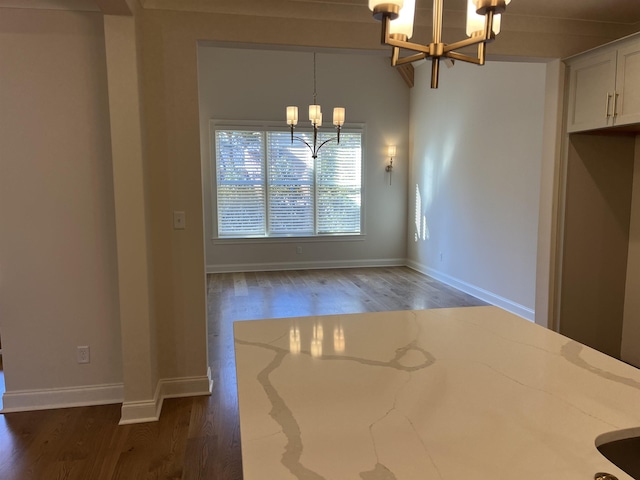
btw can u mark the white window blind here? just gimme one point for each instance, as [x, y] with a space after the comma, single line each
[339, 184]
[240, 182]
[267, 186]
[291, 186]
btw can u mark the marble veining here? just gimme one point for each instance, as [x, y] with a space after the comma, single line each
[435, 394]
[571, 351]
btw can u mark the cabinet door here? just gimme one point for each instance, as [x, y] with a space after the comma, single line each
[628, 85]
[591, 91]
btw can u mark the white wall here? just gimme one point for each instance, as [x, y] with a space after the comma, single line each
[58, 279]
[243, 84]
[476, 161]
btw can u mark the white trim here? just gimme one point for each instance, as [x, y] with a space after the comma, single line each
[489, 297]
[132, 412]
[287, 239]
[314, 265]
[149, 410]
[45, 399]
[187, 386]
[142, 411]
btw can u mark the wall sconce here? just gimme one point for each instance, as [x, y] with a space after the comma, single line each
[391, 152]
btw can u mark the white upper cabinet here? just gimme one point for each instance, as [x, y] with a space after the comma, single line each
[628, 85]
[604, 87]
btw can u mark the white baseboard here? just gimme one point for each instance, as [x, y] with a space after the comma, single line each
[315, 265]
[45, 399]
[132, 412]
[149, 410]
[480, 293]
[142, 411]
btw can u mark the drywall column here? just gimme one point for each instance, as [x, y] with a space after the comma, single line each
[630, 350]
[547, 219]
[136, 316]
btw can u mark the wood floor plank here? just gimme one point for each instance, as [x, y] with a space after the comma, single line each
[199, 438]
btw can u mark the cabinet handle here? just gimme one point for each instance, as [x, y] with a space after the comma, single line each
[607, 106]
[615, 105]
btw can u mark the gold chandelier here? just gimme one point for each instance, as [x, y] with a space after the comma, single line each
[483, 24]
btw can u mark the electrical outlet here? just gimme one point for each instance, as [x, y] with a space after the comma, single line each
[83, 354]
[298, 250]
[179, 220]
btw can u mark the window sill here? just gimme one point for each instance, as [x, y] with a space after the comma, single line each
[272, 240]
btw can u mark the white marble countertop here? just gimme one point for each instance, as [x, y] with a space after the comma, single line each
[465, 393]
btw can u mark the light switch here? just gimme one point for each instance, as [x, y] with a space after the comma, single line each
[179, 221]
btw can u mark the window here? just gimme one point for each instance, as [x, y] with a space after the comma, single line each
[268, 187]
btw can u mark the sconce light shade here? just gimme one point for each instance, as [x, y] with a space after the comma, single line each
[391, 150]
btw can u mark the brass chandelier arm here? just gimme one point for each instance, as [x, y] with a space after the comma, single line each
[465, 58]
[395, 61]
[436, 49]
[467, 43]
[416, 47]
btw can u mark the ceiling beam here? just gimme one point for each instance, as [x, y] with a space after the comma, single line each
[406, 71]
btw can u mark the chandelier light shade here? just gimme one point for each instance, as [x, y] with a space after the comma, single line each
[315, 117]
[475, 22]
[403, 25]
[292, 116]
[483, 24]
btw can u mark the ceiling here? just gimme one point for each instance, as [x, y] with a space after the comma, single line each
[626, 12]
[610, 11]
[531, 28]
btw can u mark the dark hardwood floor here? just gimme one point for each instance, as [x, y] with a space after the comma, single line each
[199, 438]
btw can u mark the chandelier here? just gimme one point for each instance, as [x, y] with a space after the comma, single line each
[315, 117]
[483, 24]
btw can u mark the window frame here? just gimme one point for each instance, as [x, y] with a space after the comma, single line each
[273, 126]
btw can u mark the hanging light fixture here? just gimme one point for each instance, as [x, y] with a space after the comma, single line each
[483, 24]
[315, 117]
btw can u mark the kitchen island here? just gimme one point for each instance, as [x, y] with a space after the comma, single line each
[462, 393]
